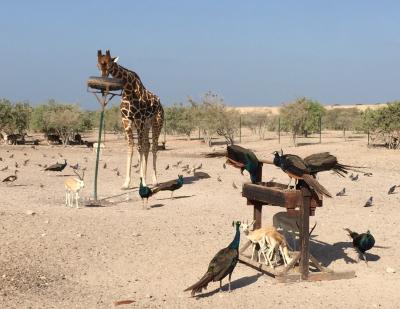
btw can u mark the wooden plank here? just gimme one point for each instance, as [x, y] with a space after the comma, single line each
[304, 233]
[290, 265]
[258, 266]
[319, 266]
[271, 195]
[319, 276]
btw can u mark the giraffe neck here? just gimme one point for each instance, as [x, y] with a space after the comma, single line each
[131, 80]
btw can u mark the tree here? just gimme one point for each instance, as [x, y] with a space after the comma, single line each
[258, 123]
[64, 119]
[215, 118]
[342, 119]
[180, 119]
[6, 116]
[301, 117]
[21, 116]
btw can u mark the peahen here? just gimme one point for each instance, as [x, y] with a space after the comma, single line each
[222, 265]
[362, 242]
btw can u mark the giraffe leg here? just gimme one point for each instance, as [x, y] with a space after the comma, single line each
[129, 135]
[155, 134]
[145, 150]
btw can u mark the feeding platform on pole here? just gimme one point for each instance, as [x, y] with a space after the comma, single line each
[108, 88]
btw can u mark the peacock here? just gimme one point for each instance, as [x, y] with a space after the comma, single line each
[362, 242]
[145, 192]
[296, 168]
[241, 158]
[171, 185]
[222, 265]
[324, 161]
[58, 167]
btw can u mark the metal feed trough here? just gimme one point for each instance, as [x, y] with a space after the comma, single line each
[107, 88]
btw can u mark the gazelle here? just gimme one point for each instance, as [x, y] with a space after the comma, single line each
[257, 237]
[270, 242]
[72, 188]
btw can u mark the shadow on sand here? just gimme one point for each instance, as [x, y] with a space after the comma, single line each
[238, 283]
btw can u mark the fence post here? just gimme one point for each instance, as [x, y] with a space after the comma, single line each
[165, 130]
[279, 130]
[368, 137]
[320, 129]
[240, 129]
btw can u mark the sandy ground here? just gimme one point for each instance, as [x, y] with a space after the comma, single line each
[61, 257]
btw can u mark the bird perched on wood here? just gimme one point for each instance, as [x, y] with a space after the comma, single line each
[296, 168]
[224, 165]
[105, 165]
[391, 190]
[241, 158]
[368, 174]
[369, 202]
[145, 192]
[222, 265]
[362, 242]
[167, 167]
[354, 178]
[26, 162]
[11, 178]
[4, 168]
[58, 167]
[171, 185]
[324, 161]
[342, 192]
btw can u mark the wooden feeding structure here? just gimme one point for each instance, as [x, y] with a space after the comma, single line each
[104, 89]
[301, 202]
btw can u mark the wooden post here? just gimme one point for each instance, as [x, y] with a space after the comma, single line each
[279, 130]
[304, 231]
[257, 212]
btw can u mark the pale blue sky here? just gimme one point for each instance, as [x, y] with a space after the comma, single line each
[249, 52]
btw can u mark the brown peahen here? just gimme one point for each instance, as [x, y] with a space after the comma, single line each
[222, 265]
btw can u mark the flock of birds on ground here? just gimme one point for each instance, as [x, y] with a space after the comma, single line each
[225, 260]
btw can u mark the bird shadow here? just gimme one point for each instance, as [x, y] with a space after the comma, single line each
[68, 175]
[190, 179]
[157, 205]
[175, 197]
[238, 283]
[327, 253]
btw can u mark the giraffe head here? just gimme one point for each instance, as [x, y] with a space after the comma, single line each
[105, 62]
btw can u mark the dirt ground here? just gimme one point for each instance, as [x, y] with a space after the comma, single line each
[53, 256]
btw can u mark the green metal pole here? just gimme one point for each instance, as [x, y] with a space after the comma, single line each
[98, 153]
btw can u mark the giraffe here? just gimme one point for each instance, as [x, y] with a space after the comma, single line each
[140, 110]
